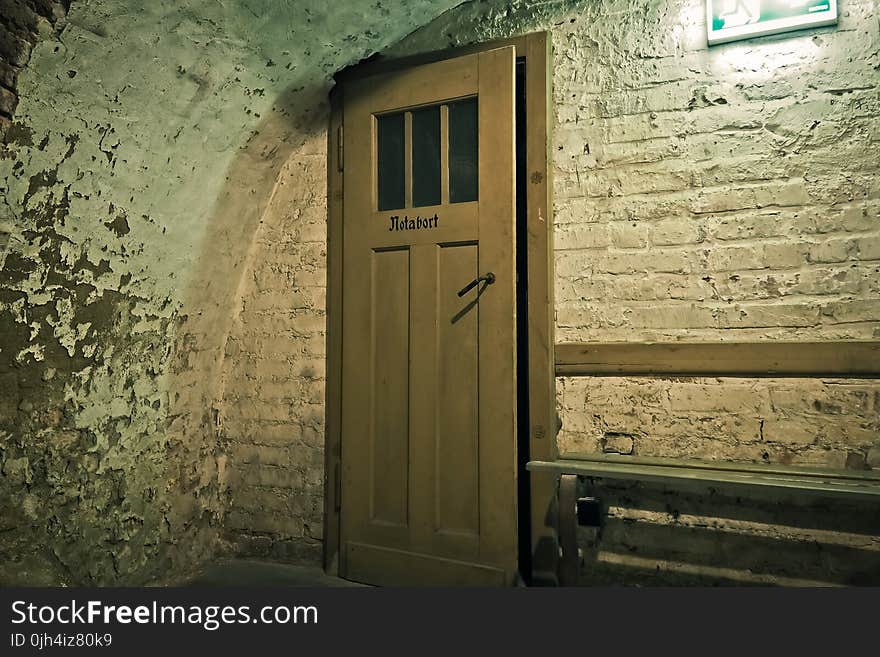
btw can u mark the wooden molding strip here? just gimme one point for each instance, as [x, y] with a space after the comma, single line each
[747, 359]
[676, 473]
[757, 469]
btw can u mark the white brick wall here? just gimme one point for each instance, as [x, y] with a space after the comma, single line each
[736, 184]
[717, 194]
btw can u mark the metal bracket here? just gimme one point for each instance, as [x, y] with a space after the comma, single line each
[567, 519]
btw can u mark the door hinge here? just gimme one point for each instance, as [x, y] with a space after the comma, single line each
[340, 152]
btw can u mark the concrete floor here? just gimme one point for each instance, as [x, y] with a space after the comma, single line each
[243, 572]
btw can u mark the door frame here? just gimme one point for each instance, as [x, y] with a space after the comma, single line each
[535, 49]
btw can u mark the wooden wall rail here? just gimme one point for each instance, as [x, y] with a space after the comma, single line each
[745, 359]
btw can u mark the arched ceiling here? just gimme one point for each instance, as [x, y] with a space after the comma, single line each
[146, 145]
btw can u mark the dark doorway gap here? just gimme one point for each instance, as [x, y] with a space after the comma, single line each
[524, 524]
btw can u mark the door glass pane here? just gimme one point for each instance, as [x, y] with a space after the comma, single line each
[426, 156]
[463, 144]
[390, 161]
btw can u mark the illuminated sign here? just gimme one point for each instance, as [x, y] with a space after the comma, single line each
[729, 20]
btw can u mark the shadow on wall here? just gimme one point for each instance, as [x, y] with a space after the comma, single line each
[652, 535]
[212, 299]
[239, 350]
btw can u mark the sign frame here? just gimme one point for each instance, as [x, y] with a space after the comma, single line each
[773, 26]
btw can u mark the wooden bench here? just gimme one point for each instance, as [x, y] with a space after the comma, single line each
[738, 478]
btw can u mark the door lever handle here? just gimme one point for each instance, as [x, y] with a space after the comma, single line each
[489, 278]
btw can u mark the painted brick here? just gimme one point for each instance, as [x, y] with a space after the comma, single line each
[673, 315]
[832, 250]
[692, 397]
[270, 476]
[868, 248]
[260, 433]
[260, 455]
[584, 236]
[628, 235]
[674, 232]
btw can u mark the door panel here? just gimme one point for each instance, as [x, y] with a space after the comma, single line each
[428, 376]
[389, 433]
[457, 417]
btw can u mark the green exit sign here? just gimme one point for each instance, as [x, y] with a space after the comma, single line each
[730, 20]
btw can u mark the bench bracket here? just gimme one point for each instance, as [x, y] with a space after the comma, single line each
[569, 566]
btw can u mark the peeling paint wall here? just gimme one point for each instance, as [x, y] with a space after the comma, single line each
[711, 194]
[22, 25]
[145, 149]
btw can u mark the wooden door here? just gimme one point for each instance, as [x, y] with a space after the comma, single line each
[428, 364]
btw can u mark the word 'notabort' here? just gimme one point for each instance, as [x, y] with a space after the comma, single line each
[412, 223]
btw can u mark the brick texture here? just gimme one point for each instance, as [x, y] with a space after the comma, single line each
[274, 373]
[831, 423]
[718, 194]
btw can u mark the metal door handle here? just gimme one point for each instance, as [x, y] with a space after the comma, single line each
[489, 278]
